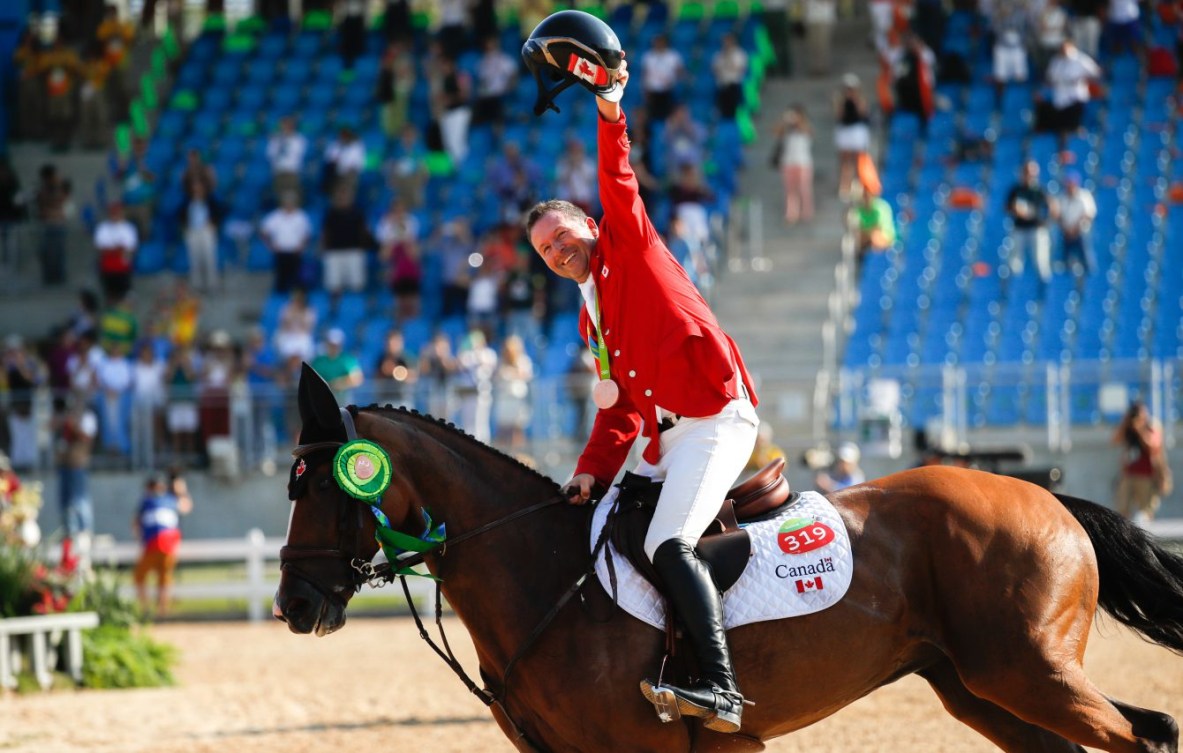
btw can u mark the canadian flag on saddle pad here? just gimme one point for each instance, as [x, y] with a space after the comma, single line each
[809, 584]
[587, 70]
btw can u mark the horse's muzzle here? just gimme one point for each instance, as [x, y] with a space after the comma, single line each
[305, 609]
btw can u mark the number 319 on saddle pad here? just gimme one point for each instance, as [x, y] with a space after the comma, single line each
[801, 563]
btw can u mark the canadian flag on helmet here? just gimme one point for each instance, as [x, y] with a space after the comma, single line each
[809, 584]
[587, 70]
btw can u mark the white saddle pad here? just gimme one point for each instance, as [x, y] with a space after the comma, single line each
[801, 563]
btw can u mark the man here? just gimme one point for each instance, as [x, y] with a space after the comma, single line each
[51, 203]
[340, 369]
[662, 68]
[286, 231]
[876, 225]
[1069, 74]
[115, 240]
[344, 241]
[668, 373]
[496, 75]
[1029, 209]
[158, 525]
[1077, 210]
[285, 152]
[77, 428]
[844, 472]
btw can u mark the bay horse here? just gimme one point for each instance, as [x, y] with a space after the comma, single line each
[984, 585]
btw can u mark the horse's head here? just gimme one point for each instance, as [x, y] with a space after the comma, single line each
[331, 530]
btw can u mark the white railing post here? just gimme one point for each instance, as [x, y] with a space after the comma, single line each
[257, 584]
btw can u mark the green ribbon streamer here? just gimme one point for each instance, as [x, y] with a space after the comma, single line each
[395, 543]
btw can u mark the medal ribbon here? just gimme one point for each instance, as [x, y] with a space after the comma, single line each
[596, 344]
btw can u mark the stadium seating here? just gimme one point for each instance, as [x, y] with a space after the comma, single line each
[944, 295]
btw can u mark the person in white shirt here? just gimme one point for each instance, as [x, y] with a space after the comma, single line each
[1077, 209]
[397, 234]
[285, 151]
[201, 217]
[148, 399]
[345, 158]
[286, 230]
[1069, 74]
[496, 75]
[796, 164]
[730, 66]
[116, 240]
[820, 17]
[661, 69]
[114, 375]
[1010, 48]
[1051, 28]
[1123, 27]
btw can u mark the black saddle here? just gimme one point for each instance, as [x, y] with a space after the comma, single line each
[725, 546]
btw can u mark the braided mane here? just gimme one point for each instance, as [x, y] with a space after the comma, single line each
[451, 429]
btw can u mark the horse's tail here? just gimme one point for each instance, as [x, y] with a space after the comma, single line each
[1141, 582]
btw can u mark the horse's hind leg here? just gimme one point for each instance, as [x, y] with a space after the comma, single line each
[1000, 726]
[1159, 730]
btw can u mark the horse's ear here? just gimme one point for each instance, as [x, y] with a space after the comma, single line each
[319, 412]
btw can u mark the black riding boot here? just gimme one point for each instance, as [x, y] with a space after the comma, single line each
[688, 584]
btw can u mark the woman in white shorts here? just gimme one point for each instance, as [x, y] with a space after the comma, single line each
[852, 136]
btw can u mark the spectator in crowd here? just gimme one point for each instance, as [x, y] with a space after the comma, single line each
[119, 327]
[85, 318]
[730, 66]
[157, 524]
[685, 139]
[820, 17]
[339, 368]
[876, 224]
[30, 111]
[92, 102]
[1069, 74]
[397, 235]
[396, 21]
[286, 230]
[437, 366]
[201, 214]
[1123, 27]
[1076, 210]
[344, 241]
[61, 70]
[912, 66]
[775, 16]
[53, 209]
[1010, 25]
[396, 81]
[520, 293]
[23, 373]
[454, 245]
[662, 68]
[218, 370]
[115, 241]
[852, 135]
[297, 322]
[149, 395]
[62, 344]
[82, 366]
[1029, 208]
[12, 212]
[285, 152]
[795, 135]
[406, 170]
[515, 372]
[497, 74]
[575, 177]
[515, 179]
[844, 472]
[452, 93]
[198, 174]
[138, 184]
[114, 376]
[115, 38]
[476, 364]
[1086, 25]
[351, 30]
[689, 248]
[345, 158]
[1140, 438]
[690, 198]
[395, 371]
[77, 426]
[765, 450]
[1051, 29]
[483, 291]
[452, 31]
[179, 309]
[181, 419]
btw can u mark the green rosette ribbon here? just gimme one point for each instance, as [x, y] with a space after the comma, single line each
[362, 469]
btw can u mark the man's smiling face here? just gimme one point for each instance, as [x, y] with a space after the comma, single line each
[565, 244]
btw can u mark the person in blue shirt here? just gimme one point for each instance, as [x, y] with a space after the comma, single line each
[158, 525]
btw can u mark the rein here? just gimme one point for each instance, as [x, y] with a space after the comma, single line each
[401, 568]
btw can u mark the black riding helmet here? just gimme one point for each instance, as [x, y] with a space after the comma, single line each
[575, 48]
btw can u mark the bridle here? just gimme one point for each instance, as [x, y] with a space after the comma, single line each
[365, 572]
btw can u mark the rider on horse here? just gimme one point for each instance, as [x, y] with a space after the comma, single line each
[667, 370]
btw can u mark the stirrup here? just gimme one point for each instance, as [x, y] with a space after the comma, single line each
[665, 703]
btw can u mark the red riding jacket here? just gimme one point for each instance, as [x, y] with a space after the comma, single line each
[665, 347]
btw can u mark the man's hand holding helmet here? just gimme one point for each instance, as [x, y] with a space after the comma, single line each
[574, 47]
